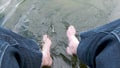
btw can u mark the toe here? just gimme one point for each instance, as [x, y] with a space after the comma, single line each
[71, 31]
[44, 38]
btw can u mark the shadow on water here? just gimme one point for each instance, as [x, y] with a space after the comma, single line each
[34, 18]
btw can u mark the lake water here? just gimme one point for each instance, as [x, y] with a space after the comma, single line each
[34, 18]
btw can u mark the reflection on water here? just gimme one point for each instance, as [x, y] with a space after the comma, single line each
[9, 11]
[33, 18]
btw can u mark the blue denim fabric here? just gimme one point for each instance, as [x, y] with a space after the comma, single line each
[17, 51]
[100, 47]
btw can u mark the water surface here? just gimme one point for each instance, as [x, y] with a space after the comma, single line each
[34, 18]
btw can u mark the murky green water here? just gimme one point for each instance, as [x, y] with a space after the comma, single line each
[34, 18]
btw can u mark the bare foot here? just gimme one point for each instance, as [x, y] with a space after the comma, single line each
[73, 41]
[46, 60]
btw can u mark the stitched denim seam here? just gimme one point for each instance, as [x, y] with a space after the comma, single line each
[4, 46]
[116, 33]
